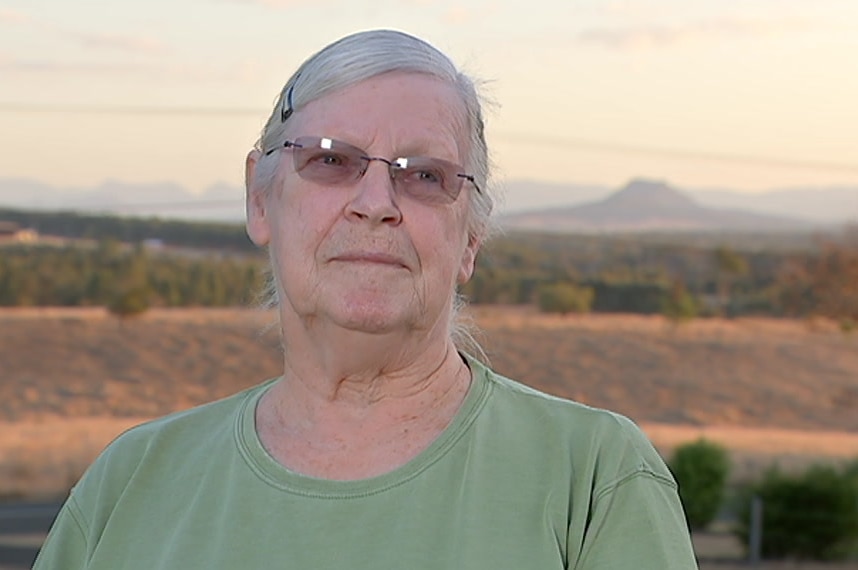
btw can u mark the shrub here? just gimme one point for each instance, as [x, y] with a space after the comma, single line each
[701, 470]
[129, 303]
[628, 297]
[564, 298]
[812, 516]
[679, 305]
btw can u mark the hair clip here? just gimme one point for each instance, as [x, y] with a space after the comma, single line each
[286, 110]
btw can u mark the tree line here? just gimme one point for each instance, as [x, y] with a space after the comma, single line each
[173, 263]
[676, 276]
[221, 236]
[104, 274]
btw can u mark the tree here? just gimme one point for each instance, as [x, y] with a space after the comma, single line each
[701, 470]
[129, 302]
[825, 284]
[564, 298]
[810, 516]
[729, 265]
[679, 305]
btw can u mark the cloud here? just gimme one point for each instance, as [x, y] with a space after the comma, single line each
[668, 36]
[54, 67]
[270, 3]
[127, 43]
[281, 4]
[456, 16]
[8, 16]
[118, 42]
[176, 72]
[629, 38]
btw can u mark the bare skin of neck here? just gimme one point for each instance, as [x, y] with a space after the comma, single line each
[363, 411]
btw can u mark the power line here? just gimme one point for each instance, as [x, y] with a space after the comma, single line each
[130, 110]
[541, 140]
[178, 206]
[588, 144]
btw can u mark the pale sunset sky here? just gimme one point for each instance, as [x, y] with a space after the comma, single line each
[748, 95]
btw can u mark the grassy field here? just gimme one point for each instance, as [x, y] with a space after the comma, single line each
[770, 391]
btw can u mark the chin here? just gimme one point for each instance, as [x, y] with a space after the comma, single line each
[372, 317]
[371, 324]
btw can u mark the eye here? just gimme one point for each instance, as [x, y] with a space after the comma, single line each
[423, 176]
[429, 176]
[329, 159]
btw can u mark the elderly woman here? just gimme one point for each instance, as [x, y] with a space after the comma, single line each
[383, 445]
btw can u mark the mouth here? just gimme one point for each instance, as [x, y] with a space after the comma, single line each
[371, 258]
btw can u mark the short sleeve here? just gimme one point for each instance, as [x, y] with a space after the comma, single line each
[65, 548]
[637, 523]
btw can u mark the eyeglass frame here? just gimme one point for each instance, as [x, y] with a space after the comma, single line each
[391, 163]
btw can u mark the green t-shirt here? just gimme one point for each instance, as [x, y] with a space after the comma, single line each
[519, 480]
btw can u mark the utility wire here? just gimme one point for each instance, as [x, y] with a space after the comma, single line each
[119, 110]
[584, 144]
[237, 202]
[523, 138]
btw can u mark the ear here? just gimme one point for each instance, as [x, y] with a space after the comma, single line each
[258, 228]
[469, 258]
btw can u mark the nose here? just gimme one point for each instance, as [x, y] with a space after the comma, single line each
[374, 198]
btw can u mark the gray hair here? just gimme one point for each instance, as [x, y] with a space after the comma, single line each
[362, 56]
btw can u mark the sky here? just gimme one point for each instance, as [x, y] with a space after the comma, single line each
[749, 95]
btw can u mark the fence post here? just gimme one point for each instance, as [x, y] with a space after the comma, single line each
[755, 537]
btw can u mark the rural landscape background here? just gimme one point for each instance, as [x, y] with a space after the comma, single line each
[680, 316]
[771, 392]
[680, 184]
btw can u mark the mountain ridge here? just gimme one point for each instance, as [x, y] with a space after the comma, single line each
[220, 201]
[649, 205]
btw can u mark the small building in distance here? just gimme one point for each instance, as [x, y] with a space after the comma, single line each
[12, 232]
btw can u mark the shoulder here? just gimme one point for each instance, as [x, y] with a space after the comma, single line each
[605, 444]
[210, 418]
[176, 438]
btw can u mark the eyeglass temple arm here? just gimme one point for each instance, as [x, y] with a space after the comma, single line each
[286, 144]
[470, 178]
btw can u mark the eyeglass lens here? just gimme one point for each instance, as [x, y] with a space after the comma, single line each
[332, 162]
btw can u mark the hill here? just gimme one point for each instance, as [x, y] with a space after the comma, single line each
[646, 206]
[747, 372]
[74, 378]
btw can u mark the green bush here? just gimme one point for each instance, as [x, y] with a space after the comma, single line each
[129, 302]
[811, 516]
[701, 470]
[564, 298]
[628, 297]
[679, 305]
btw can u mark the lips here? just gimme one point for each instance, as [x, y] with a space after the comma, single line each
[370, 257]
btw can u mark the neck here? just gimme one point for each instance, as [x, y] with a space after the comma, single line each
[356, 416]
[336, 363]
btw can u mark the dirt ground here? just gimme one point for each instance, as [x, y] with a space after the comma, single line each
[748, 373]
[769, 390]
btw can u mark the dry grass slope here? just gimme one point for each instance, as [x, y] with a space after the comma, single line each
[71, 379]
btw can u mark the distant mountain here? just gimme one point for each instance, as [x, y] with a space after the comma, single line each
[225, 202]
[646, 205]
[218, 202]
[826, 204]
[522, 194]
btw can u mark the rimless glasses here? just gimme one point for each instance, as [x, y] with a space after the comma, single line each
[336, 163]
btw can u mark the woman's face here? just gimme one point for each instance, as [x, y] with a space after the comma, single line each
[363, 255]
